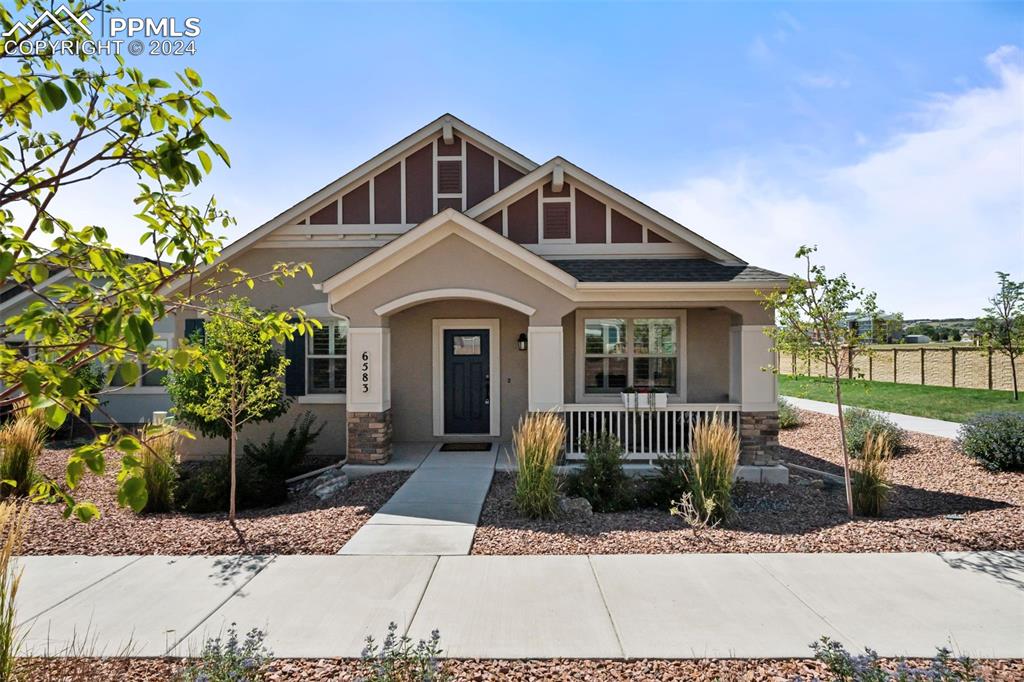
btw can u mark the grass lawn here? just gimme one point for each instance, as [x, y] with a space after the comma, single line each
[937, 402]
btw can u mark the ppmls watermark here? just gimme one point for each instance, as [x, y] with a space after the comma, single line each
[84, 35]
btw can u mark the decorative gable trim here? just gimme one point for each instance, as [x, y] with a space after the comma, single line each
[620, 225]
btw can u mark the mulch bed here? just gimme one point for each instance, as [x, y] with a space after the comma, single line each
[153, 670]
[932, 480]
[301, 526]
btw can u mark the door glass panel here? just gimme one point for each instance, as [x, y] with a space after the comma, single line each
[466, 345]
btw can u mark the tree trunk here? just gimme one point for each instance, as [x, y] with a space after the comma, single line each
[1013, 375]
[846, 453]
[234, 476]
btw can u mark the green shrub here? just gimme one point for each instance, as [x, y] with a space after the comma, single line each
[789, 416]
[397, 659]
[860, 422]
[867, 667]
[230, 660]
[537, 441]
[602, 480]
[710, 474]
[870, 483]
[160, 470]
[21, 443]
[669, 484]
[995, 439]
[270, 463]
[262, 472]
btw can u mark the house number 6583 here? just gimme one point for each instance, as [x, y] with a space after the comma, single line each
[365, 369]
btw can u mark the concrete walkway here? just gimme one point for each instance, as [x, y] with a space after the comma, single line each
[435, 512]
[657, 606]
[932, 427]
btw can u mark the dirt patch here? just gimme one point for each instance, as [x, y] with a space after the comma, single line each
[303, 526]
[943, 501]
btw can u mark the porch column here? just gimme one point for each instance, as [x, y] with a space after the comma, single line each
[545, 367]
[754, 386]
[368, 406]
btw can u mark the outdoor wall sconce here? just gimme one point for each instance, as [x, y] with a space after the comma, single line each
[521, 342]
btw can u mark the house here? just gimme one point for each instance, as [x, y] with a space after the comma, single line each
[461, 285]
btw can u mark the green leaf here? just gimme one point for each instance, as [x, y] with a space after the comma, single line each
[193, 77]
[132, 493]
[129, 373]
[74, 472]
[204, 158]
[128, 445]
[39, 273]
[55, 416]
[31, 382]
[69, 387]
[218, 369]
[52, 97]
[6, 264]
[181, 359]
[73, 92]
[85, 511]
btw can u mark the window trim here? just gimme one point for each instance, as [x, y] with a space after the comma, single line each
[308, 355]
[629, 315]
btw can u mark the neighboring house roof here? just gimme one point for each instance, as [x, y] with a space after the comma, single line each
[563, 166]
[663, 270]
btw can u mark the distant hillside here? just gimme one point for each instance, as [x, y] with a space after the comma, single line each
[953, 322]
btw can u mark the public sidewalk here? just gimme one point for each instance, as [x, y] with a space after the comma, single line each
[633, 606]
[932, 427]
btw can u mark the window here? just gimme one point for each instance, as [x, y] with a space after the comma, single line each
[146, 376]
[642, 352]
[326, 351]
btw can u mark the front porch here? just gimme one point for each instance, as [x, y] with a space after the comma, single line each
[455, 333]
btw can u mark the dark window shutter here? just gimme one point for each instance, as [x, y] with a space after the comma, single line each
[194, 326]
[295, 374]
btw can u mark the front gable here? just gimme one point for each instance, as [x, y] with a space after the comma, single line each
[560, 210]
[447, 164]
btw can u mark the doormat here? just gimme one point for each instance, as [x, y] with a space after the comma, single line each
[466, 447]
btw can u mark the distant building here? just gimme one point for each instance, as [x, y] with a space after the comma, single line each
[917, 338]
[865, 325]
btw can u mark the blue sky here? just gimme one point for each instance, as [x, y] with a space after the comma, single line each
[892, 135]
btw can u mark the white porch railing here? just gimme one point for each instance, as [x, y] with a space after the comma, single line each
[645, 433]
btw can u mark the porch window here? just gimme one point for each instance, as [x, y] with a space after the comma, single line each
[620, 352]
[326, 353]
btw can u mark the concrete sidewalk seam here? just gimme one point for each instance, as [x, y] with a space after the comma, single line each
[419, 602]
[78, 592]
[607, 609]
[219, 606]
[823, 619]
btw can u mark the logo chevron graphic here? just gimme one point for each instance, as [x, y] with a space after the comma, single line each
[52, 16]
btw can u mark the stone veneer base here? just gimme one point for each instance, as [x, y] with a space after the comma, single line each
[369, 437]
[759, 438]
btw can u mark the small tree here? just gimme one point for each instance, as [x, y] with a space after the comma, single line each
[1002, 327]
[238, 380]
[812, 313]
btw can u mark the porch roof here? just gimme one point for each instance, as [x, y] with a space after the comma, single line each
[663, 270]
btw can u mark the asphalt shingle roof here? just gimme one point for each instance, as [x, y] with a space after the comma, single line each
[661, 270]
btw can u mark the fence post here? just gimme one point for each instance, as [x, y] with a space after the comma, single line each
[952, 365]
[871, 358]
[895, 366]
[849, 362]
[990, 368]
[796, 372]
[922, 366]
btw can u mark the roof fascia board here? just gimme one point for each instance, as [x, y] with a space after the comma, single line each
[28, 293]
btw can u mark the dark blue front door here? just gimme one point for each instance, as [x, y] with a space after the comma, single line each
[467, 381]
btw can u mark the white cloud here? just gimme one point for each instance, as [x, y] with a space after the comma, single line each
[759, 51]
[924, 219]
[822, 81]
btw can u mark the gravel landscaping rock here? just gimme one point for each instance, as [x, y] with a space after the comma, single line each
[703, 670]
[303, 525]
[932, 481]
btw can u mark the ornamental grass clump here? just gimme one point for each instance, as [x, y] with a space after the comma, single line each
[160, 469]
[13, 525]
[710, 474]
[21, 444]
[870, 483]
[538, 441]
